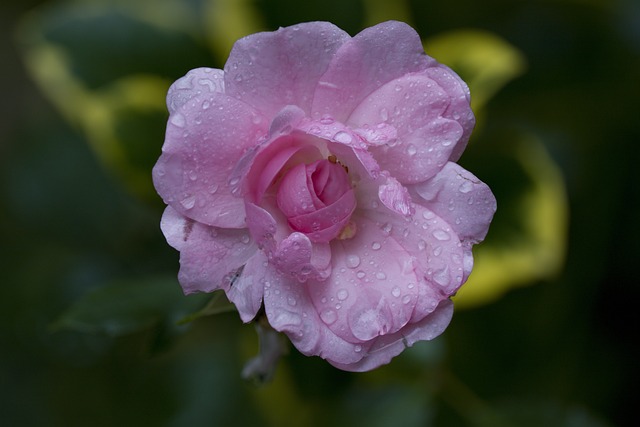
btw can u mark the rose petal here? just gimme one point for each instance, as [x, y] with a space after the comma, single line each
[198, 156]
[209, 256]
[395, 196]
[298, 257]
[325, 224]
[290, 310]
[386, 347]
[459, 108]
[373, 287]
[275, 69]
[370, 59]
[193, 84]
[461, 199]
[248, 289]
[414, 106]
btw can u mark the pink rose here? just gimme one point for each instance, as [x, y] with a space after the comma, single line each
[314, 176]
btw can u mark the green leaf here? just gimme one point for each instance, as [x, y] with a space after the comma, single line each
[127, 306]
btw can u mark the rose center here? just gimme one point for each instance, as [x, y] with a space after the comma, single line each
[317, 199]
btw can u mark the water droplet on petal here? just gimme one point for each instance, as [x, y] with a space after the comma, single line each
[384, 114]
[406, 299]
[343, 137]
[396, 292]
[342, 294]
[353, 261]
[357, 348]
[466, 187]
[386, 229]
[213, 189]
[291, 300]
[427, 214]
[422, 244]
[360, 274]
[206, 105]
[328, 316]
[441, 276]
[375, 246]
[380, 275]
[437, 251]
[411, 150]
[326, 120]
[441, 235]
[178, 120]
[188, 202]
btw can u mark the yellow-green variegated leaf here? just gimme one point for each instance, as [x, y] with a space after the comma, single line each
[527, 239]
[107, 66]
[483, 60]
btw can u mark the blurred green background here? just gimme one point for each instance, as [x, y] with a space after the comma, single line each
[89, 301]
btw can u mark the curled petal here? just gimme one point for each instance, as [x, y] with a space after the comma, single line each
[385, 348]
[209, 256]
[298, 257]
[395, 197]
[325, 224]
[195, 83]
[459, 108]
[248, 289]
[461, 199]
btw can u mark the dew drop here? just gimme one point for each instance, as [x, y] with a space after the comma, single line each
[384, 114]
[353, 261]
[291, 300]
[386, 229]
[411, 150]
[441, 276]
[406, 299]
[396, 292]
[380, 275]
[427, 214]
[437, 251]
[343, 137]
[357, 348]
[342, 294]
[375, 246]
[360, 274]
[206, 105]
[188, 202]
[422, 244]
[466, 187]
[326, 120]
[178, 120]
[213, 189]
[441, 235]
[329, 316]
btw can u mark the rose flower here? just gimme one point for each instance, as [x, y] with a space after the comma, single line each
[315, 177]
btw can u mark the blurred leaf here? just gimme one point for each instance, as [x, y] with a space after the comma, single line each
[127, 306]
[483, 60]
[107, 67]
[228, 20]
[217, 304]
[377, 11]
[528, 237]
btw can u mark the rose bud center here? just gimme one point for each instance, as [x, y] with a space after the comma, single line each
[317, 199]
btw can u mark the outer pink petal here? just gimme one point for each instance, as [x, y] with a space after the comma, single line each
[289, 309]
[387, 347]
[373, 288]
[461, 199]
[459, 108]
[204, 140]
[248, 289]
[275, 69]
[209, 256]
[415, 105]
[195, 83]
[372, 58]
[435, 251]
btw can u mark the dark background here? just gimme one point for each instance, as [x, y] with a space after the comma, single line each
[88, 295]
